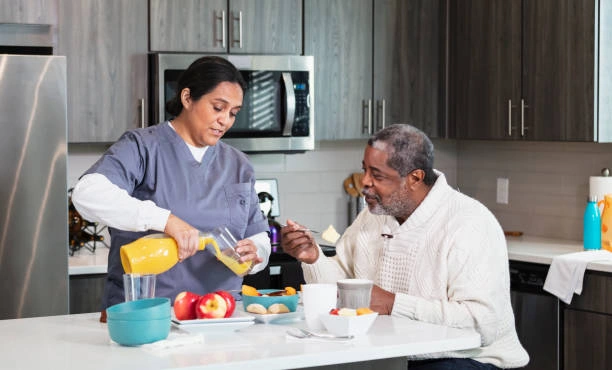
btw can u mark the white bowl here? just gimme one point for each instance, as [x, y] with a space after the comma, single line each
[348, 325]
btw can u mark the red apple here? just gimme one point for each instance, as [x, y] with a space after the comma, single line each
[211, 306]
[185, 305]
[229, 299]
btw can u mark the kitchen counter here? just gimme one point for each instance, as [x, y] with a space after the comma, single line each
[543, 250]
[85, 262]
[80, 341]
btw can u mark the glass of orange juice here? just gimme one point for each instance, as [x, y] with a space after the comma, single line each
[224, 249]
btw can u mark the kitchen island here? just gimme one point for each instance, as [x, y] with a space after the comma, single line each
[81, 342]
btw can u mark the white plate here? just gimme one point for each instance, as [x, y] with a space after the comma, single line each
[214, 327]
[238, 316]
[278, 317]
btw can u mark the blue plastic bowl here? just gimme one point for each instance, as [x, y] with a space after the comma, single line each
[291, 301]
[137, 332]
[142, 309]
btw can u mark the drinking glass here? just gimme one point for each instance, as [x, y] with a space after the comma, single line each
[138, 286]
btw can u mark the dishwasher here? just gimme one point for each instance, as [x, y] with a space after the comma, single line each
[537, 315]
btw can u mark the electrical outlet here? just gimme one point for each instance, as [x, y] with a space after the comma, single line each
[502, 190]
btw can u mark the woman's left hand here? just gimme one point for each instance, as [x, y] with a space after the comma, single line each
[248, 251]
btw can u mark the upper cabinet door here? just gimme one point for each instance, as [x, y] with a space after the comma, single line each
[209, 26]
[28, 11]
[105, 44]
[265, 26]
[408, 64]
[485, 68]
[189, 25]
[338, 33]
[558, 69]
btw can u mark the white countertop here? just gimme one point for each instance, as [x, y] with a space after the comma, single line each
[523, 248]
[543, 250]
[80, 341]
[86, 262]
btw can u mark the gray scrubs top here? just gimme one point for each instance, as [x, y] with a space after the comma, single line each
[155, 164]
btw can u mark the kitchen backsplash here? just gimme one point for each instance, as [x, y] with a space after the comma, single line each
[548, 182]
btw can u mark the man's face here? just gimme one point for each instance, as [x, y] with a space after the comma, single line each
[386, 193]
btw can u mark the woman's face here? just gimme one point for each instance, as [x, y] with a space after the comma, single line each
[205, 121]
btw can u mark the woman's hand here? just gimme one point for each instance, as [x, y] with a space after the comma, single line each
[247, 251]
[186, 236]
[299, 243]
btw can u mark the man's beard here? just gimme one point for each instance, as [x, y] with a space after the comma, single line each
[397, 205]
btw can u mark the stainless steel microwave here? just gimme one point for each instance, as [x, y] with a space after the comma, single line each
[277, 113]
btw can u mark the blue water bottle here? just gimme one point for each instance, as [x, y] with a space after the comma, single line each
[592, 225]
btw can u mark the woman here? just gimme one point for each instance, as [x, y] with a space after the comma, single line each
[178, 178]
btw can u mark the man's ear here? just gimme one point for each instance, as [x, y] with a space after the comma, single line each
[415, 177]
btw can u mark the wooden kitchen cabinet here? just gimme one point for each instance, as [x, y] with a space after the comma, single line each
[220, 26]
[522, 69]
[86, 292]
[28, 11]
[105, 44]
[587, 325]
[377, 62]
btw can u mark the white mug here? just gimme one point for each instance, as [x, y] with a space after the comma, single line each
[354, 293]
[318, 299]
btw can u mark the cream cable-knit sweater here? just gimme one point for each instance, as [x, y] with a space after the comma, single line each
[447, 264]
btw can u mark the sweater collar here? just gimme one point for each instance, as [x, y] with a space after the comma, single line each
[434, 200]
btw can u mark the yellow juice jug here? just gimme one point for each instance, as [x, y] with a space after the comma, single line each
[158, 253]
[606, 222]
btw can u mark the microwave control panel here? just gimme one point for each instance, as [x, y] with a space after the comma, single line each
[301, 90]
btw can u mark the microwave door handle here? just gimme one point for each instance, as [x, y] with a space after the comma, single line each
[290, 103]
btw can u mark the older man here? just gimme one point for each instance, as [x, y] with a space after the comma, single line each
[434, 254]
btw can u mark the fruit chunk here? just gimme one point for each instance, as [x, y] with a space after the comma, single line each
[256, 308]
[289, 290]
[330, 235]
[333, 311]
[364, 311]
[347, 312]
[250, 291]
[278, 308]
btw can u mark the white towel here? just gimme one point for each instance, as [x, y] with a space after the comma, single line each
[566, 273]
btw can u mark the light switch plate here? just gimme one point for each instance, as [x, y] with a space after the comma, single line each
[502, 190]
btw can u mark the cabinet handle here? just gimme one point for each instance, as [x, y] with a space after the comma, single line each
[142, 112]
[380, 114]
[223, 29]
[523, 127]
[510, 127]
[222, 19]
[366, 117]
[239, 19]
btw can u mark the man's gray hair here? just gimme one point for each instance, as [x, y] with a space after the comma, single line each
[408, 148]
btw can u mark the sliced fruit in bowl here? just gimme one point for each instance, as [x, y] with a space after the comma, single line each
[265, 299]
[347, 321]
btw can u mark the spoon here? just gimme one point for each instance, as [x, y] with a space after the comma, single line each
[304, 229]
[303, 333]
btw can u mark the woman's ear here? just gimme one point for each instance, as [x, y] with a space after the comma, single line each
[186, 97]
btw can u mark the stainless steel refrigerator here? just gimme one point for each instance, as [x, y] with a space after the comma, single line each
[33, 197]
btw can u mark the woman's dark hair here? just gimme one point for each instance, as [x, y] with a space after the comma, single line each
[201, 77]
[408, 148]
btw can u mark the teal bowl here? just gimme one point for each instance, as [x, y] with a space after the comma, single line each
[291, 301]
[137, 332]
[142, 309]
